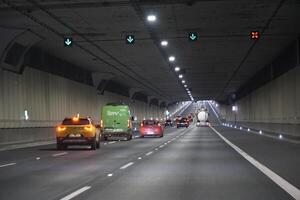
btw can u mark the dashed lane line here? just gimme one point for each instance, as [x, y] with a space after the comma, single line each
[127, 165]
[7, 165]
[76, 193]
[59, 154]
[149, 153]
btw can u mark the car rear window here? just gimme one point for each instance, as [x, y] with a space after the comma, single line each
[183, 120]
[76, 122]
[150, 122]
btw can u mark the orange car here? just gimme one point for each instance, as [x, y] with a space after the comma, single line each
[77, 131]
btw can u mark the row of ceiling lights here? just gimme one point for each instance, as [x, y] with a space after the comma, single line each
[164, 43]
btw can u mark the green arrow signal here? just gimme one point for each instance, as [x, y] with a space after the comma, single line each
[129, 39]
[68, 41]
[193, 36]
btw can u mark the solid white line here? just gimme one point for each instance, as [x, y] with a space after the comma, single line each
[76, 193]
[289, 188]
[59, 154]
[149, 153]
[6, 165]
[112, 142]
[127, 165]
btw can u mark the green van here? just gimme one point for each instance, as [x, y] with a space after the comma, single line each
[116, 122]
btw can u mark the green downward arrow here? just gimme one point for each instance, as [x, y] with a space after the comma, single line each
[193, 36]
[130, 39]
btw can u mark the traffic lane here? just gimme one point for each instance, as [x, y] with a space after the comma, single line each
[199, 165]
[29, 153]
[280, 156]
[52, 176]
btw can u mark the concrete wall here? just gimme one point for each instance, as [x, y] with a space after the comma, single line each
[275, 106]
[49, 98]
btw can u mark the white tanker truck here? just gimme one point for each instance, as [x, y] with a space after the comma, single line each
[202, 117]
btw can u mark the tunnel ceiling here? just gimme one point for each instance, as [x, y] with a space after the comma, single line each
[217, 64]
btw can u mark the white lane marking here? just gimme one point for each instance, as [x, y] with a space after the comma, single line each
[161, 146]
[6, 165]
[127, 165]
[37, 158]
[156, 149]
[149, 153]
[289, 188]
[59, 154]
[110, 175]
[140, 158]
[112, 142]
[76, 193]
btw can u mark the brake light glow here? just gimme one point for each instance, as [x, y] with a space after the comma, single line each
[88, 128]
[61, 128]
[75, 119]
[128, 123]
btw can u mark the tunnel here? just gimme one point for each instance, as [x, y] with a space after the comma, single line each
[150, 99]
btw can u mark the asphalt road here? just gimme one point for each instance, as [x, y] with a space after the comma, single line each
[193, 163]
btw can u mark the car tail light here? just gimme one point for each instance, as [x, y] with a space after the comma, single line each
[88, 128]
[75, 119]
[61, 128]
[101, 123]
[128, 123]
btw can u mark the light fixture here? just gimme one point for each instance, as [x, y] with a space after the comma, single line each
[183, 81]
[151, 18]
[164, 43]
[180, 76]
[172, 58]
[177, 69]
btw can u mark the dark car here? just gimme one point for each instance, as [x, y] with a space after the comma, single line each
[183, 122]
[168, 122]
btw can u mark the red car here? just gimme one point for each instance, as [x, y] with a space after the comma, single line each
[151, 128]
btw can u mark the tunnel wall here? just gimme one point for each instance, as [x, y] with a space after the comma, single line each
[48, 99]
[274, 107]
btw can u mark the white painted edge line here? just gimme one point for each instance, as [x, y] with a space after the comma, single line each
[149, 153]
[59, 154]
[6, 165]
[76, 193]
[161, 146]
[127, 165]
[112, 142]
[289, 188]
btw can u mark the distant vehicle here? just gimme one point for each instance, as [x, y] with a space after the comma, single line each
[116, 122]
[190, 118]
[151, 128]
[183, 122]
[202, 117]
[168, 122]
[77, 131]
